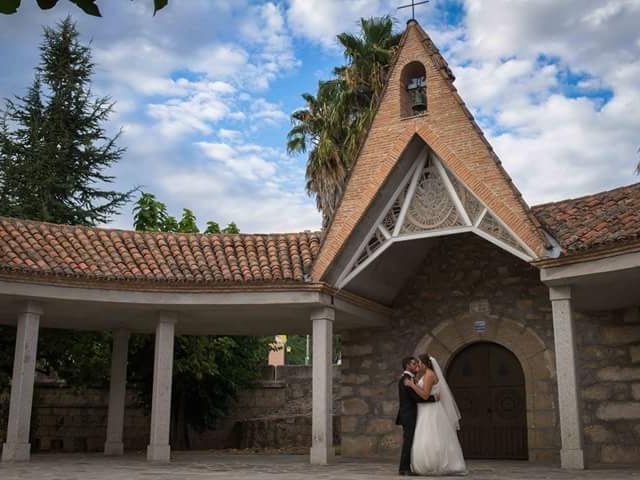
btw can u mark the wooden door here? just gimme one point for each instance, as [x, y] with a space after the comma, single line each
[488, 384]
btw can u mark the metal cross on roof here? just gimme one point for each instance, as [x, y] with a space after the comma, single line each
[413, 7]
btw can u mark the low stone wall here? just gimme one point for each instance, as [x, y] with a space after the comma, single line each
[609, 376]
[275, 414]
[74, 421]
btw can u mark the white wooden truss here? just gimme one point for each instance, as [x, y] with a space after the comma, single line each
[432, 202]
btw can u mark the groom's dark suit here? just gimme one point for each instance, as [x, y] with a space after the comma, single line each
[407, 417]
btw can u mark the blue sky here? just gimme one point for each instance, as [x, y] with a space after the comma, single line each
[204, 92]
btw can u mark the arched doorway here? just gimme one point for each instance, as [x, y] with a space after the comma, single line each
[488, 383]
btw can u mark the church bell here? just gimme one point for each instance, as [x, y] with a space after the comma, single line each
[417, 94]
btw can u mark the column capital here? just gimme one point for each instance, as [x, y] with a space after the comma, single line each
[32, 307]
[323, 313]
[563, 292]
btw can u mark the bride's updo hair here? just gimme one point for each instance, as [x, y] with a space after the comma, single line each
[426, 359]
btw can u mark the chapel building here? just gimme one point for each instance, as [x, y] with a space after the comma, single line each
[533, 312]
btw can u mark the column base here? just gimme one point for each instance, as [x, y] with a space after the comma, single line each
[159, 453]
[114, 449]
[16, 452]
[572, 459]
[321, 455]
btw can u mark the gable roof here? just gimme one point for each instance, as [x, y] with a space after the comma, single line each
[95, 254]
[593, 222]
[449, 130]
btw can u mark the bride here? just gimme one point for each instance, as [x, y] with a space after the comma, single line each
[436, 450]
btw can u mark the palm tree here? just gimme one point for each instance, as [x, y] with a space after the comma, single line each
[368, 55]
[333, 122]
[320, 128]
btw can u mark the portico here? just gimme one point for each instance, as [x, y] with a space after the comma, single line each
[166, 311]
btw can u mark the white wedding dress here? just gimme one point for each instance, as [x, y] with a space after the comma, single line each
[436, 449]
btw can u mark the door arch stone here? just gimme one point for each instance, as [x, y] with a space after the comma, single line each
[449, 337]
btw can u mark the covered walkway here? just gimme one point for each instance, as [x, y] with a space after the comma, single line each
[57, 276]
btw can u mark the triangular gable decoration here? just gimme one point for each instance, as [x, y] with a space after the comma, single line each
[493, 227]
[432, 207]
[471, 204]
[433, 202]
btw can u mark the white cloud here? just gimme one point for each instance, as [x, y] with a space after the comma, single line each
[243, 163]
[219, 61]
[535, 75]
[229, 134]
[197, 112]
[267, 112]
[244, 183]
[321, 20]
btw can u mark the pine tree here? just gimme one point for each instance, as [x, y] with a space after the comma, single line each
[53, 148]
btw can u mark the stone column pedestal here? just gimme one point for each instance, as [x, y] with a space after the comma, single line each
[159, 449]
[17, 447]
[322, 369]
[571, 453]
[117, 394]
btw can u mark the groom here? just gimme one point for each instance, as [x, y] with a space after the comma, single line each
[408, 411]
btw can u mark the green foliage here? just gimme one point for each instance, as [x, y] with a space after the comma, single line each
[208, 373]
[188, 222]
[296, 349]
[88, 6]
[53, 148]
[232, 228]
[82, 359]
[149, 214]
[212, 227]
[334, 121]
[170, 224]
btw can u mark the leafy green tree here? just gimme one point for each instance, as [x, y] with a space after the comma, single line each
[170, 224]
[331, 126]
[149, 214]
[212, 227]
[188, 222]
[89, 7]
[231, 229]
[53, 148]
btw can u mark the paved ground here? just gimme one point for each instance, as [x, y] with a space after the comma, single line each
[205, 465]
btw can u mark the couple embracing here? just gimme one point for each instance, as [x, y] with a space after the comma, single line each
[429, 417]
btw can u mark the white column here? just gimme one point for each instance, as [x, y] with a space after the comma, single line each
[117, 393]
[322, 369]
[158, 449]
[571, 454]
[17, 447]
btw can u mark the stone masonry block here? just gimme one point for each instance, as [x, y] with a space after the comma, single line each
[358, 446]
[612, 335]
[619, 411]
[618, 374]
[354, 406]
[448, 335]
[621, 454]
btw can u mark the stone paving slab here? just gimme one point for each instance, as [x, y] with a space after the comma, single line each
[214, 465]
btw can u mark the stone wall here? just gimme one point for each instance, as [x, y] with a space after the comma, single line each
[463, 278]
[275, 414]
[609, 376]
